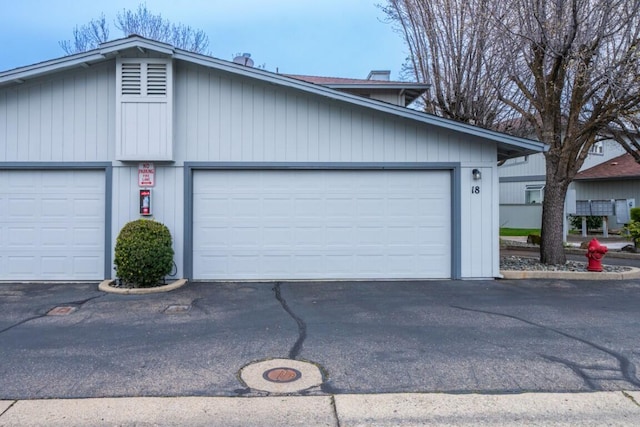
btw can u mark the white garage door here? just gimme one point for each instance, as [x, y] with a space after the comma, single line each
[52, 225]
[321, 224]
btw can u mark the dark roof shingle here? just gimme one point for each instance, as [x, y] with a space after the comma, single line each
[623, 166]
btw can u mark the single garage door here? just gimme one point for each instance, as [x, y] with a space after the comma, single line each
[363, 224]
[52, 225]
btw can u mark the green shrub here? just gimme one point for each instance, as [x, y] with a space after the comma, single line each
[143, 255]
[593, 222]
[633, 228]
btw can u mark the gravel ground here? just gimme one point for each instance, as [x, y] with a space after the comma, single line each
[532, 264]
[519, 263]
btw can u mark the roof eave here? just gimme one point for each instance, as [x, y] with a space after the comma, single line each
[508, 146]
[19, 75]
[391, 86]
[83, 59]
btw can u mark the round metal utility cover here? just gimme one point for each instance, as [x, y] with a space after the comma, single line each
[281, 375]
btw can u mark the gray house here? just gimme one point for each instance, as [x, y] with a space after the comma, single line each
[522, 182]
[259, 176]
[616, 179]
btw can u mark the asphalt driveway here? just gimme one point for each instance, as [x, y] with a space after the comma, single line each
[368, 337]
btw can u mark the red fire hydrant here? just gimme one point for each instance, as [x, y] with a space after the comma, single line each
[595, 253]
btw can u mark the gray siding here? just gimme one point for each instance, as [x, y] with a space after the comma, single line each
[521, 216]
[218, 117]
[479, 225]
[167, 202]
[611, 149]
[224, 119]
[514, 192]
[66, 118]
[607, 190]
[523, 166]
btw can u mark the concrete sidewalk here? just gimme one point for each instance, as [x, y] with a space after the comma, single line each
[532, 409]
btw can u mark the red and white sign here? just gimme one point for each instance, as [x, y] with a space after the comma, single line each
[146, 175]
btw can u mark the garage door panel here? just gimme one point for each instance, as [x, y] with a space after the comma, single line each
[52, 225]
[321, 224]
[54, 237]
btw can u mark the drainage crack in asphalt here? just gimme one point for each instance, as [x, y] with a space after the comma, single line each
[302, 327]
[74, 303]
[84, 301]
[626, 367]
[22, 322]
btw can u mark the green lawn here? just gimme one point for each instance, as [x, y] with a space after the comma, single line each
[519, 231]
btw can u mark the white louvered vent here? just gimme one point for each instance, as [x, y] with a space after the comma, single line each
[131, 79]
[144, 109]
[144, 79]
[156, 79]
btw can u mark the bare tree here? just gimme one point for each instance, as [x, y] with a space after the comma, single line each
[448, 42]
[87, 36]
[141, 22]
[570, 69]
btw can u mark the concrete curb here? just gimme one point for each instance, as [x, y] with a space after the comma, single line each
[634, 273]
[105, 286]
[619, 408]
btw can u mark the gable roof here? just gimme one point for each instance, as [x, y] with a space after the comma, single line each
[621, 167]
[508, 146]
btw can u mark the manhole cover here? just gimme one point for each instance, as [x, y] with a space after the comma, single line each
[282, 375]
[61, 311]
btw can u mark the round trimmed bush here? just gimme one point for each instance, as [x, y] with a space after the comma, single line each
[143, 255]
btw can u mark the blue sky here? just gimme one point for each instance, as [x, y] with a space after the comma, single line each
[339, 38]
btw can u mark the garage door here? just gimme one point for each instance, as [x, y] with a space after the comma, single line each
[52, 225]
[321, 224]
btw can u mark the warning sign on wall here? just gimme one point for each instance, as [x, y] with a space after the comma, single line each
[146, 175]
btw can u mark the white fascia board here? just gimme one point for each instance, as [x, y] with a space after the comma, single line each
[84, 59]
[23, 73]
[113, 47]
[279, 79]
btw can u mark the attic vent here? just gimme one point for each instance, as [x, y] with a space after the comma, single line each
[131, 79]
[156, 79]
[144, 78]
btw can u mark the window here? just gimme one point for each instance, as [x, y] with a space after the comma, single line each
[597, 148]
[534, 194]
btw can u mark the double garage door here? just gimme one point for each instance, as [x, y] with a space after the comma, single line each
[52, 225]
[321, 224]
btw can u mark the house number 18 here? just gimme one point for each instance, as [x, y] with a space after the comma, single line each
[475, 189]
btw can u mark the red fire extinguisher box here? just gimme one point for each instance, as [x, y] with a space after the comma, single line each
[145, 202]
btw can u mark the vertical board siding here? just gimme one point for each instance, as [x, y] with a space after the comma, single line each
[478, 226]
[145, 131]
[224, 119]
[166, 203]
[67, 118]
[607, 190]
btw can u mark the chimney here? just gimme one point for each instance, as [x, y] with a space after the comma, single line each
[379, 75]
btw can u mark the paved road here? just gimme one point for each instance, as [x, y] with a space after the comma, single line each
[368, 337]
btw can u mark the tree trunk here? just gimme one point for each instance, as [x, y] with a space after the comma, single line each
[552, 242]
